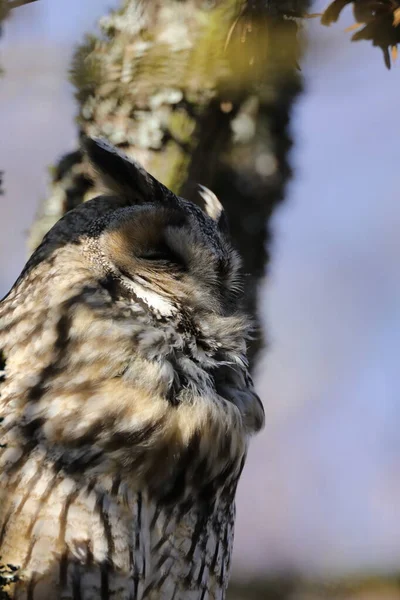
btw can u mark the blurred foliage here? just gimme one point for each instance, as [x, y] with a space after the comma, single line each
[379, 21]
[294, 588]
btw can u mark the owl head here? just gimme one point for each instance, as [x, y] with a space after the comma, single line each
[166, 251]
[124, 340]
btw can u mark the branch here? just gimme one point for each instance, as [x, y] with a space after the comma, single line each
[16, 3]
[7, 5]
[376, 20]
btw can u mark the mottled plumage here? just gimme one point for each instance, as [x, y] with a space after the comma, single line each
[126, 399]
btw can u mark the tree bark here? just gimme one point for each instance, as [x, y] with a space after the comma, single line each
[198, 92]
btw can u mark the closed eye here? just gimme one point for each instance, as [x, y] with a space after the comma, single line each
[162, 254]
[154, 256]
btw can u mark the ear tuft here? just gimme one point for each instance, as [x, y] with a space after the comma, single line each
[212, 205]
[118, 173]
[214, 208]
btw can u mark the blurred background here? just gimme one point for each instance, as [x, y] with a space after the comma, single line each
[320, 495]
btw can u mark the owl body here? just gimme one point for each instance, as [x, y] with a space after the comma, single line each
[126, 403]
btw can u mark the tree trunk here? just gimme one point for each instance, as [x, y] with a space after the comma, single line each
[199, 92]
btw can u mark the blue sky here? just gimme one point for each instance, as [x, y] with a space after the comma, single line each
[63, 21]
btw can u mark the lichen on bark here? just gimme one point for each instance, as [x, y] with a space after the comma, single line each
[198, 92]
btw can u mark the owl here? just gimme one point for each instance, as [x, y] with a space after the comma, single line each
[126, 403]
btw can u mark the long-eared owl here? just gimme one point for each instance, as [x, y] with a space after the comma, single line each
[126, 404]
